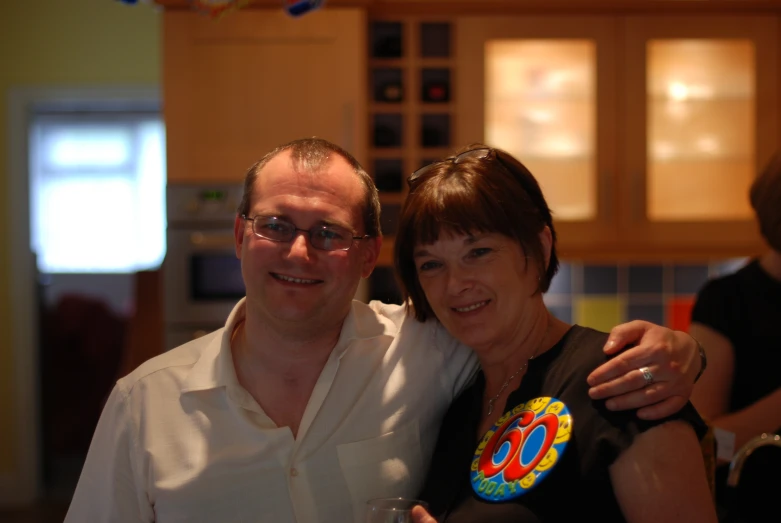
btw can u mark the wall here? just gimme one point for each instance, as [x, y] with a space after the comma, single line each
[61, 43]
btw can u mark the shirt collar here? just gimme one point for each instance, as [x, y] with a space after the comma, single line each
[214, 368]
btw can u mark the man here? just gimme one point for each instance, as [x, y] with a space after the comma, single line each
[307, 403]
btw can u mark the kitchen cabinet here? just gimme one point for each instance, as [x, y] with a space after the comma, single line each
[640, 157]
[236, 86]
[645, 131]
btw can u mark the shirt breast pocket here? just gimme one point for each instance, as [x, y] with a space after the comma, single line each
[391, 465]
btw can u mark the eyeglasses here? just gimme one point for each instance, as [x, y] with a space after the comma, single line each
[473, 153]
[323, 237]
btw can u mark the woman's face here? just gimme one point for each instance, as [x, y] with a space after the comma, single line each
[480, 287]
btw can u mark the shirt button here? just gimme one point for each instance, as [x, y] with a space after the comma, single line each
[293, 472]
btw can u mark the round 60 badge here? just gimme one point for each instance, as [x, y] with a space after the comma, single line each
[522, 447]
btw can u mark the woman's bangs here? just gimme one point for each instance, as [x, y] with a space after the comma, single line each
[454, 211]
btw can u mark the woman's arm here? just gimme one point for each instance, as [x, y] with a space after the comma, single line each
[661, 477]
[712, 393]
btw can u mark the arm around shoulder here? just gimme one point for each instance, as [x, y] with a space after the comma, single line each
[109, 488]
[661, 477]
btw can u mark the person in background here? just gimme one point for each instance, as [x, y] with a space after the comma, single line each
[308, 403]
[736, 318]
[476, 249]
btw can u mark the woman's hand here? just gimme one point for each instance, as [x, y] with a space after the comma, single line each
[672, 357]
[419, 515]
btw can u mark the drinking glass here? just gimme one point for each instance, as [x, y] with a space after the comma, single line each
[391, 510]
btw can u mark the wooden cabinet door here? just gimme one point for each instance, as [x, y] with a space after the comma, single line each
[700, 118]
[544, 89]
[237, 86]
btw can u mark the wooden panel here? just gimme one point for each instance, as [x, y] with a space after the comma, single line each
[238, 86]
[474, 32]
[145, 331]
[566, 7]
[707, 237]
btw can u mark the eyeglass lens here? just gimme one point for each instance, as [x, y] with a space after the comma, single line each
[324, 237]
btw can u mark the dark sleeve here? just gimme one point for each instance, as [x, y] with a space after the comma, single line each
[616, 431]
[601, 434]
[713, 305]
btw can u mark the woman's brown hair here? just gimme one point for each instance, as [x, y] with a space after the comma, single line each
[766, 200]
[485, 191]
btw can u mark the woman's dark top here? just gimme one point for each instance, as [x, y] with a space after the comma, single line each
[577, 485]
[745, 307]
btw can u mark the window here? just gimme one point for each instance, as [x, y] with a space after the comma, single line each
[97, 191]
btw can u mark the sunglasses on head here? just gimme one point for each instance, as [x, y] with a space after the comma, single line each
[479, 154]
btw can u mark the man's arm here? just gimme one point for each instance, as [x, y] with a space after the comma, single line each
[671, 356]
[107, 489]
[711, 394]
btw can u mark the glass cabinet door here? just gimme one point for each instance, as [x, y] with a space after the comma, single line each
[701, 118]
[543, 89]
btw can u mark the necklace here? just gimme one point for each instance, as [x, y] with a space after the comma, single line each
[506, 383]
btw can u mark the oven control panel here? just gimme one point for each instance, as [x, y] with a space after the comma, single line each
[203, 205]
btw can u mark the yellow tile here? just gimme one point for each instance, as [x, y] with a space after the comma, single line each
[601, 313]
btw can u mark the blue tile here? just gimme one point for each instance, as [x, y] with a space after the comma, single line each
[600, 279]
[646, 279]
[652, 313]
[562, 281]
[689, 279]
[562, 312]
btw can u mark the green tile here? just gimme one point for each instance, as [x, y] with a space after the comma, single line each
[601, 313]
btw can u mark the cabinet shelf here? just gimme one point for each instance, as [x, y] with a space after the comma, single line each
[386, 63]
[386, 152]
[424, 73]
[386, 107]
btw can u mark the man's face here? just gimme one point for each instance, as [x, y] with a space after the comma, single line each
[294, 284]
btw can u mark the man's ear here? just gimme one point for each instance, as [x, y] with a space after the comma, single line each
[371, 253]
[239, 226]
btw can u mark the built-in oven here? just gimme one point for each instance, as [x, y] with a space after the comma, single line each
[201, 272]
[202, 276]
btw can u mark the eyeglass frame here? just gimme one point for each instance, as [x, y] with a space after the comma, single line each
[296, 230]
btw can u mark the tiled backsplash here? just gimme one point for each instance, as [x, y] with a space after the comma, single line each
[602, 296]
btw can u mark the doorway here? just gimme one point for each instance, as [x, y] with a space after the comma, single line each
[79, 161]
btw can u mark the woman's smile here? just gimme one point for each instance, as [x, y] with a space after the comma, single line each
[472, 307]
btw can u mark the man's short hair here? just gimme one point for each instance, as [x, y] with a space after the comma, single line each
[310, 155]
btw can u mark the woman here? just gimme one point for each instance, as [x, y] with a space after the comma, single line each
[736, 318]
[476, 248]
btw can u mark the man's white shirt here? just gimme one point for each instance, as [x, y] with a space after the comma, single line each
[181, 440]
